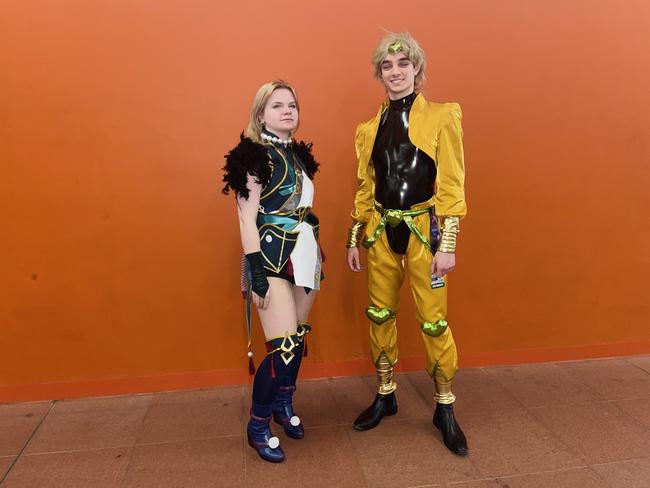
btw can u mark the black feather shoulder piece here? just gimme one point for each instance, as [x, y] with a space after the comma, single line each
[246, 157]
[303, 151]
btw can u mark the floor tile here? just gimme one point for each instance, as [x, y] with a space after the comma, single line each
[104, 468]
[614, 379]
[5, 464]
[203, 395]
[348, 398]
[598, 432]
[627, 474]
[537, 385]
[474, 390]
[324, 458]
[87, 429]
[514, 442]
[16, 431]
[196, 464]
[410, 400]
[101, 404]
[324, 402]
[573, 478]
[178, 417]
[642, 362]
[27, 409]
[639, 408]
[408, 453]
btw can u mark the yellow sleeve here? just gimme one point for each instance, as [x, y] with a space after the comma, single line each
[364, 200]
[450, 194]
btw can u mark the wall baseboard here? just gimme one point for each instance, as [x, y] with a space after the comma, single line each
[209, 379]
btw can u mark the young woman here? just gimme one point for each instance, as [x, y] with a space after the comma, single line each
[271, 176]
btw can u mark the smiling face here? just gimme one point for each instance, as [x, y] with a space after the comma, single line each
[398, 75]
[280, 114]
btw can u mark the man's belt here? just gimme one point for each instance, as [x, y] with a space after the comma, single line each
[393, 218]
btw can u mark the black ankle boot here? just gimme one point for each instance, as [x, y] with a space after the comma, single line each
[452, 435]
[382, 406]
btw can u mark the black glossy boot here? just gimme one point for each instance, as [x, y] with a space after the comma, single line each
[452, 435]
[384, 405]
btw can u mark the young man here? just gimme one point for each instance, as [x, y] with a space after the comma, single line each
[407, 209]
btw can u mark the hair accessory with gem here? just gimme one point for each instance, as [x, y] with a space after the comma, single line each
[395, 47]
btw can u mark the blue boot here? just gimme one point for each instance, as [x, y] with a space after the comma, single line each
[284, 415]
[260, 436]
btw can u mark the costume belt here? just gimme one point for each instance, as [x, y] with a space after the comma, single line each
[286, 220]
[393, 218]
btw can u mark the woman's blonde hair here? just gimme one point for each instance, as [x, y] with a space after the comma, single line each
[262, 96]
[401, 42]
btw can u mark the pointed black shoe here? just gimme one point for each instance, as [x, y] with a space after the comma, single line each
[383, 406]
[452, 435]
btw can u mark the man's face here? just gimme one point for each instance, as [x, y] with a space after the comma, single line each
[398, 75]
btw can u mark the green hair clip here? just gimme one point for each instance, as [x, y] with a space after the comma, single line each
[395, 47]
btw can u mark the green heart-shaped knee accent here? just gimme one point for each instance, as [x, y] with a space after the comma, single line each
[379, 315]
[434, 329]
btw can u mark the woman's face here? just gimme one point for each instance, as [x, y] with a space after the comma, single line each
[280, 114]
[398, 75]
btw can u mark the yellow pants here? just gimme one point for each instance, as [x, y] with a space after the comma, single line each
[385, 277]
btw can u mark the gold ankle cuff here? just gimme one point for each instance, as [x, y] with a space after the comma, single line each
[385, 383]
[443, 392]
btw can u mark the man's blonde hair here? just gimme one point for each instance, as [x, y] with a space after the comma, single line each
[408, 46]
[262, 96]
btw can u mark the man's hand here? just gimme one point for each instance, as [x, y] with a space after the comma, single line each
[443, 263]
[354, 262]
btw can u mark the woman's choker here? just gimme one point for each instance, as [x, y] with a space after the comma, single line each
[275, 139]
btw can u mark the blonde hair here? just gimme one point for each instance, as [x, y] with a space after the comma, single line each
[409, 47]
[262, 96]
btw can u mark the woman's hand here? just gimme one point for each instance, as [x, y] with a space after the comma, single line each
[354, 263]
[443, 263]
[260, 302]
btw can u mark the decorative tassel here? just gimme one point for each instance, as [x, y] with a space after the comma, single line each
[272, 367]
[251, 364]
[306, 351]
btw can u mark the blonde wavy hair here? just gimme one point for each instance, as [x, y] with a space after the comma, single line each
[410, 48]
[255, 126]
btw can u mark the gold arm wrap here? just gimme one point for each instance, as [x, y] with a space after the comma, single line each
[450, 230]
[355, 234]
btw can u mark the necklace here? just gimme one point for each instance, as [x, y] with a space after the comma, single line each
[275, 139]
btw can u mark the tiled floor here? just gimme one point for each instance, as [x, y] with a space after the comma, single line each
[573, 424]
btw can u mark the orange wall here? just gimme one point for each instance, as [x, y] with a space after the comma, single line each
[120, 256]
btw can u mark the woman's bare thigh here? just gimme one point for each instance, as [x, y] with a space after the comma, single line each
[303, 302]
[280, 316]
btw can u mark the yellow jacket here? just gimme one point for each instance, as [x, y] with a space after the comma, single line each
[433, 128]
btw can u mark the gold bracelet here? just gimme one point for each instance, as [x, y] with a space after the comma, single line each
[355, 234]
[450, 230]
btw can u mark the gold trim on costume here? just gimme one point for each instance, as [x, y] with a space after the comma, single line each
[450, 229]
[443, 392]
[385, 383]
[355, 234]
[284, 176]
